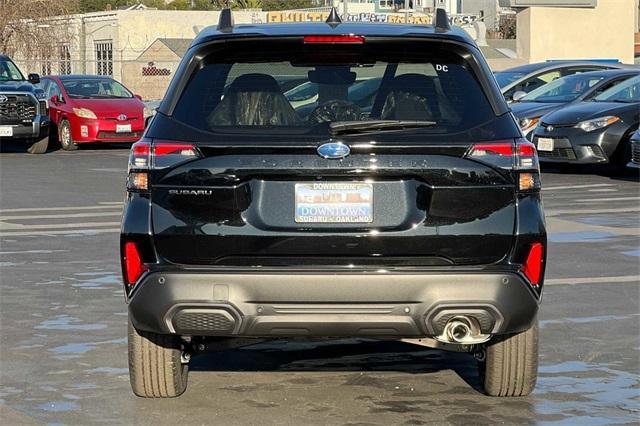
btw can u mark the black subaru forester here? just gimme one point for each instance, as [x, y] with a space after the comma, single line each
[413, 214]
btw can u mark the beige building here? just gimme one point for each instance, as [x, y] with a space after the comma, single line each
[605, 31]
[150, 74]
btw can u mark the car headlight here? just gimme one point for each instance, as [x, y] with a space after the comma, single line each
[597, 123]
[40, 95]
[84, 113]
[528, 124]
[149, 112]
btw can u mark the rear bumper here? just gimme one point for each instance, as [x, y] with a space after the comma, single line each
[329, 305]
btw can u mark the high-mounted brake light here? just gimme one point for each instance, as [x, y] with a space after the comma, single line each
[134, 268]
[158, 154]
[519, 155]
[334, 39]
[532, 267]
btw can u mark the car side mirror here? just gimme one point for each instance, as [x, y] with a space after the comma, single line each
[57, 99]
[33, 78]
[138, 97]
[519, 95]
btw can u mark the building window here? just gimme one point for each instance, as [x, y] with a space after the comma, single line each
[65, 59]
[386, 4]
[104, 57]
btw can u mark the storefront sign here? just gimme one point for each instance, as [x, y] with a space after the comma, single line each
[392, 18]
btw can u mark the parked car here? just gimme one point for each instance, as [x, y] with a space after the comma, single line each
[518, 81]
[23, 108]
[635, 151]
[88, 109]
[597, 131]
[243, 220]
[564, 91]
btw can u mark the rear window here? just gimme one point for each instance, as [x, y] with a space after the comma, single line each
[241, 89]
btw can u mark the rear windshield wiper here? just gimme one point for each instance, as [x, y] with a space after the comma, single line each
[337, 127]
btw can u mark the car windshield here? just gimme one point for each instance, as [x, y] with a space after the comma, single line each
[505, 77]
[95, 88]
[627, 91]
[562, 90]
[9, 72]
[238, 91]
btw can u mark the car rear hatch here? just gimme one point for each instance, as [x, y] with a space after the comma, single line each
[251, 193]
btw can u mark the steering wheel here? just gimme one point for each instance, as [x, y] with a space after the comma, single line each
[336, 110]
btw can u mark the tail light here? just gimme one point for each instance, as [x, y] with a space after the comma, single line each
[133, 266]
[156, 154]
[334, 39]
[532, 267]
[518, 155]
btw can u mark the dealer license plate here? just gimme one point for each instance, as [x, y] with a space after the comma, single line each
[123, 128]
[6, 131]
[545, 144]
[334, 202]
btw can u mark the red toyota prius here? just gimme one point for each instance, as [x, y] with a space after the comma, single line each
[87, 108]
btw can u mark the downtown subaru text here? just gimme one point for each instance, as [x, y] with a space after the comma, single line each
[415, 216]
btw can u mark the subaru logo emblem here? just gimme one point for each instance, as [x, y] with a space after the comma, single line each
[333, 150]
[3, 99]
[122, 117]
[549, 129]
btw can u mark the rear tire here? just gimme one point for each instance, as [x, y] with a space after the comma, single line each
[510, 367]
[64, 136]
[39, 147]
[155, 364]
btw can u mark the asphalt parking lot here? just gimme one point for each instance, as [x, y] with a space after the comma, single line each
[63, 323]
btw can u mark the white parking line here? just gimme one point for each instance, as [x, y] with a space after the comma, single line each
[603, 190]
[61, 216]
[31, 252]
[581, 210]
[52, 233]
[42, 209]
[630, 279]
[594, 200]
[592, 185]
[20, 227]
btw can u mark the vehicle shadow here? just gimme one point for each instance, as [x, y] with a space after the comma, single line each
[606, 171]
[351, 355]
[18, 147]
[89, 147]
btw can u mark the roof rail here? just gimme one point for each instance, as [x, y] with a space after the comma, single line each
[333, 19]
[441, 20]
[225, 22]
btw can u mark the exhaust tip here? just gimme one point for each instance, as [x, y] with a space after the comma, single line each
[463, 330]
[458, 331]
